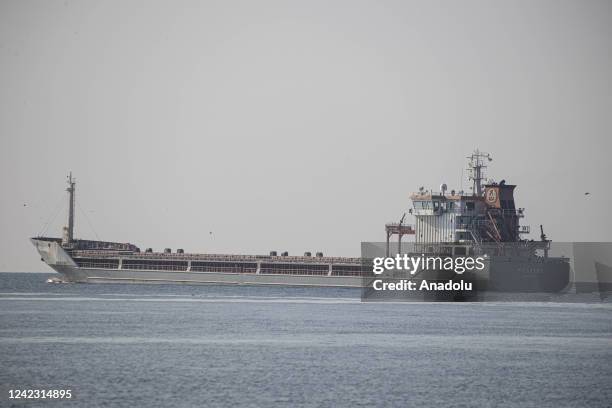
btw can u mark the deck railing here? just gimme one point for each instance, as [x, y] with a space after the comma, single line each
[99, 265]
[215, 257]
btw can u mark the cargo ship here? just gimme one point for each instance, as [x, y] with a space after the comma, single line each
[457, 223]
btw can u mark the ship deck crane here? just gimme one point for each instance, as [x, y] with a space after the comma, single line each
[400, 229]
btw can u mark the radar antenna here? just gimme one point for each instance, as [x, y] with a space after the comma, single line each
[476, 173]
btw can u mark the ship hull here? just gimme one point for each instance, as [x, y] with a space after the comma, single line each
[101, 275]
[515, 274]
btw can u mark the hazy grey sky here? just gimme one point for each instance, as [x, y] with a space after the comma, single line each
[295, 125]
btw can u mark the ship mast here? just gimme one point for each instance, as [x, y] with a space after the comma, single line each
[70, 190]
[476, 171]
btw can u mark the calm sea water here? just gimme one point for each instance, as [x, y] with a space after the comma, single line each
[175, 346]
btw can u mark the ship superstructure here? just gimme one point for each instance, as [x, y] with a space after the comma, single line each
[487, 214]
[482, 221]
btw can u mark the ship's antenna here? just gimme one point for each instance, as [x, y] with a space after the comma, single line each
[70, 190]
[476, 173]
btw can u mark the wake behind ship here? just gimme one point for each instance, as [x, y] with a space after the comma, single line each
[455, 223]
